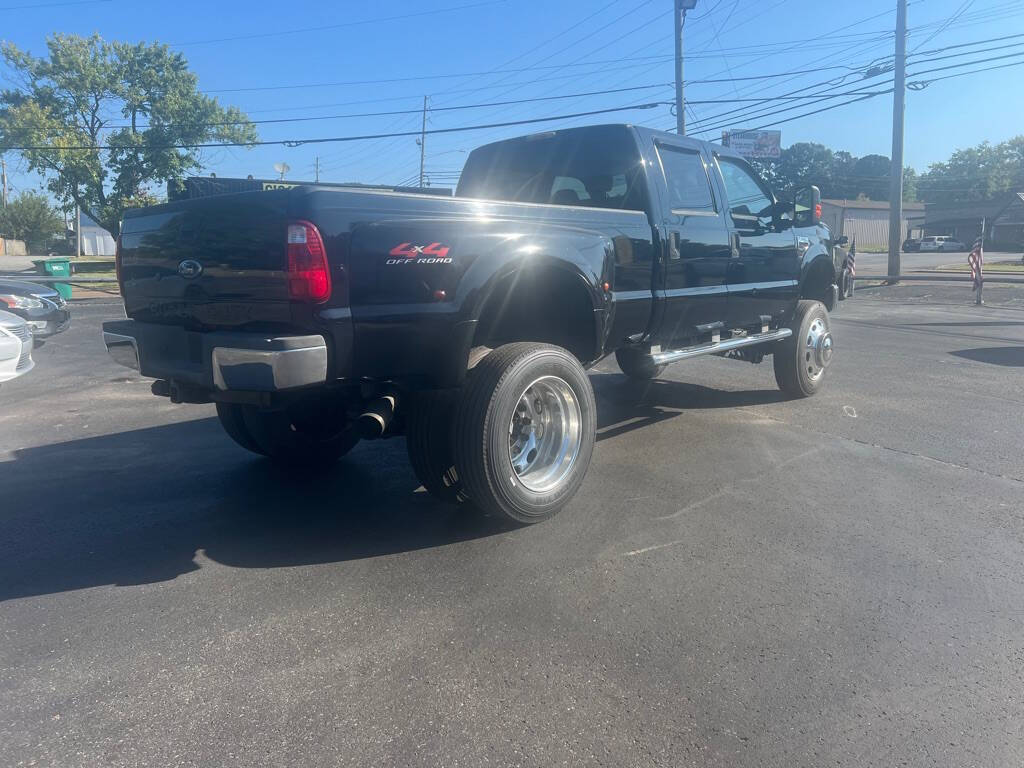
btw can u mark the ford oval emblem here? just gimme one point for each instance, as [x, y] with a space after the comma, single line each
[190, 268]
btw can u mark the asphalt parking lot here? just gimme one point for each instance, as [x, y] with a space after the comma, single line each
[743, 580]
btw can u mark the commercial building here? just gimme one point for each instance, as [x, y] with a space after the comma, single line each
[867, 221]
[1003, 217]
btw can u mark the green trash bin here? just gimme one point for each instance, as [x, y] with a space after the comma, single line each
[56, 268]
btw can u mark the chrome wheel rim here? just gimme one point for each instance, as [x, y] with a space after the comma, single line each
[818, 348]
[545, 434]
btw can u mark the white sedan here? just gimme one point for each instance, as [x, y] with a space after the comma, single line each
[15, 347]
[941, 243]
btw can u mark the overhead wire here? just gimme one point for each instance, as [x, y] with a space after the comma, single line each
[340, 25]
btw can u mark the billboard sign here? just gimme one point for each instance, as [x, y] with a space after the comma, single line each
[759, 145]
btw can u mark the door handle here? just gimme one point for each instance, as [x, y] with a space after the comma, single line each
[673, 246]
[734, 245]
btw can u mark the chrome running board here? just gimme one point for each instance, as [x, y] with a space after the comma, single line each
[675, 355]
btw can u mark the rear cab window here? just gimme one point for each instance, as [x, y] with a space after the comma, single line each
[594, 168]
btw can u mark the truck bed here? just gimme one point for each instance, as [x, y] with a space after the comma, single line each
[396, 259]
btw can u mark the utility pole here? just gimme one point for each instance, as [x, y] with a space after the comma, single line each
[423, 140]
[678, 19]
[899, 94]
[78, 230]
[316, 162]
[3, 180]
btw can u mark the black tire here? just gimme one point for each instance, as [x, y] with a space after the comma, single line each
[230, 415]
[313, 432]
[429, 427]
[798, 366]
[637, 365]
[484, 420]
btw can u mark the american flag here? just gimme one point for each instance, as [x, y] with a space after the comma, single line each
[851, 258]
[976, 260]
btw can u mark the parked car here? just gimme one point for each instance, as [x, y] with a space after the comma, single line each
[15, 347]
[43, 308]
[911, 245]
[941, 243]
[314, 316]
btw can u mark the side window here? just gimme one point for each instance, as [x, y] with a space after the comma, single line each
[746, 196]
[688, 185]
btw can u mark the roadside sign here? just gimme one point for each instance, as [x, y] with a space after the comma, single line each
[760, 145]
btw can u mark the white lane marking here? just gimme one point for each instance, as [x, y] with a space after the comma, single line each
[850, 411]
[644, 550]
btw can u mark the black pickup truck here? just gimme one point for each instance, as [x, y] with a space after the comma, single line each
[314, 317]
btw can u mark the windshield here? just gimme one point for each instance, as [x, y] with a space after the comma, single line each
[597, 168]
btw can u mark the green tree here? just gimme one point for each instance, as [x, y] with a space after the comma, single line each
[869, 176]
[910, 179]
[806, 163]
[139, 99]
[978, 173]
[31, 218]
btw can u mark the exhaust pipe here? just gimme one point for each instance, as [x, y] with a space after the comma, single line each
[374, 420]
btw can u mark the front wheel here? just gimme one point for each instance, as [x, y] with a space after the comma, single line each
[525, 431]
[801, 360]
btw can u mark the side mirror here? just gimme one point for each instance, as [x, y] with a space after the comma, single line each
[807, 206]
[841, 240]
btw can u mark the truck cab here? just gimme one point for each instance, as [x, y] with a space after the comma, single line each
[724, 251]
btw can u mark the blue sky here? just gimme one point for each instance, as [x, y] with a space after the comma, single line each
[446, 48]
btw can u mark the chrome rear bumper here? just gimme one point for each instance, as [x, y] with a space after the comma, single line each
[224, 361]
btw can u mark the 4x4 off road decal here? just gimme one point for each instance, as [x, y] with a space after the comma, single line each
[407, 253]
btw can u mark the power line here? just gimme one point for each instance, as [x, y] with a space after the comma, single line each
[863, 98]
[965, 63]
[813, 112]
[410, 111]
[422, 77]
[614, 21]
[744, 113]
[966, 45]
[926, 83]
[322, 27]
[335, 139]
[477, 106]
[943, 27]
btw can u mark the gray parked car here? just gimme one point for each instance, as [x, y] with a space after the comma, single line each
[15, 347]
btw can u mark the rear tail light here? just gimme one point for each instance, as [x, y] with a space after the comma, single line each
[309, 277]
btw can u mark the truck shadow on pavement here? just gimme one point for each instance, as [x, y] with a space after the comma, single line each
[625, 404]
[1012, 357]
[135, 507]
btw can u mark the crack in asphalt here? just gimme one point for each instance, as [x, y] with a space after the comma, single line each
[869, 444]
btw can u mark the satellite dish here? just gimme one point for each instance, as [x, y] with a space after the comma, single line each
[282, 168]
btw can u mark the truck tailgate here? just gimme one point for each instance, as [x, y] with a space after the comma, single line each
[212, 262]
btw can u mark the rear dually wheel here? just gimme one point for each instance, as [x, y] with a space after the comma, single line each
[525, 431]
